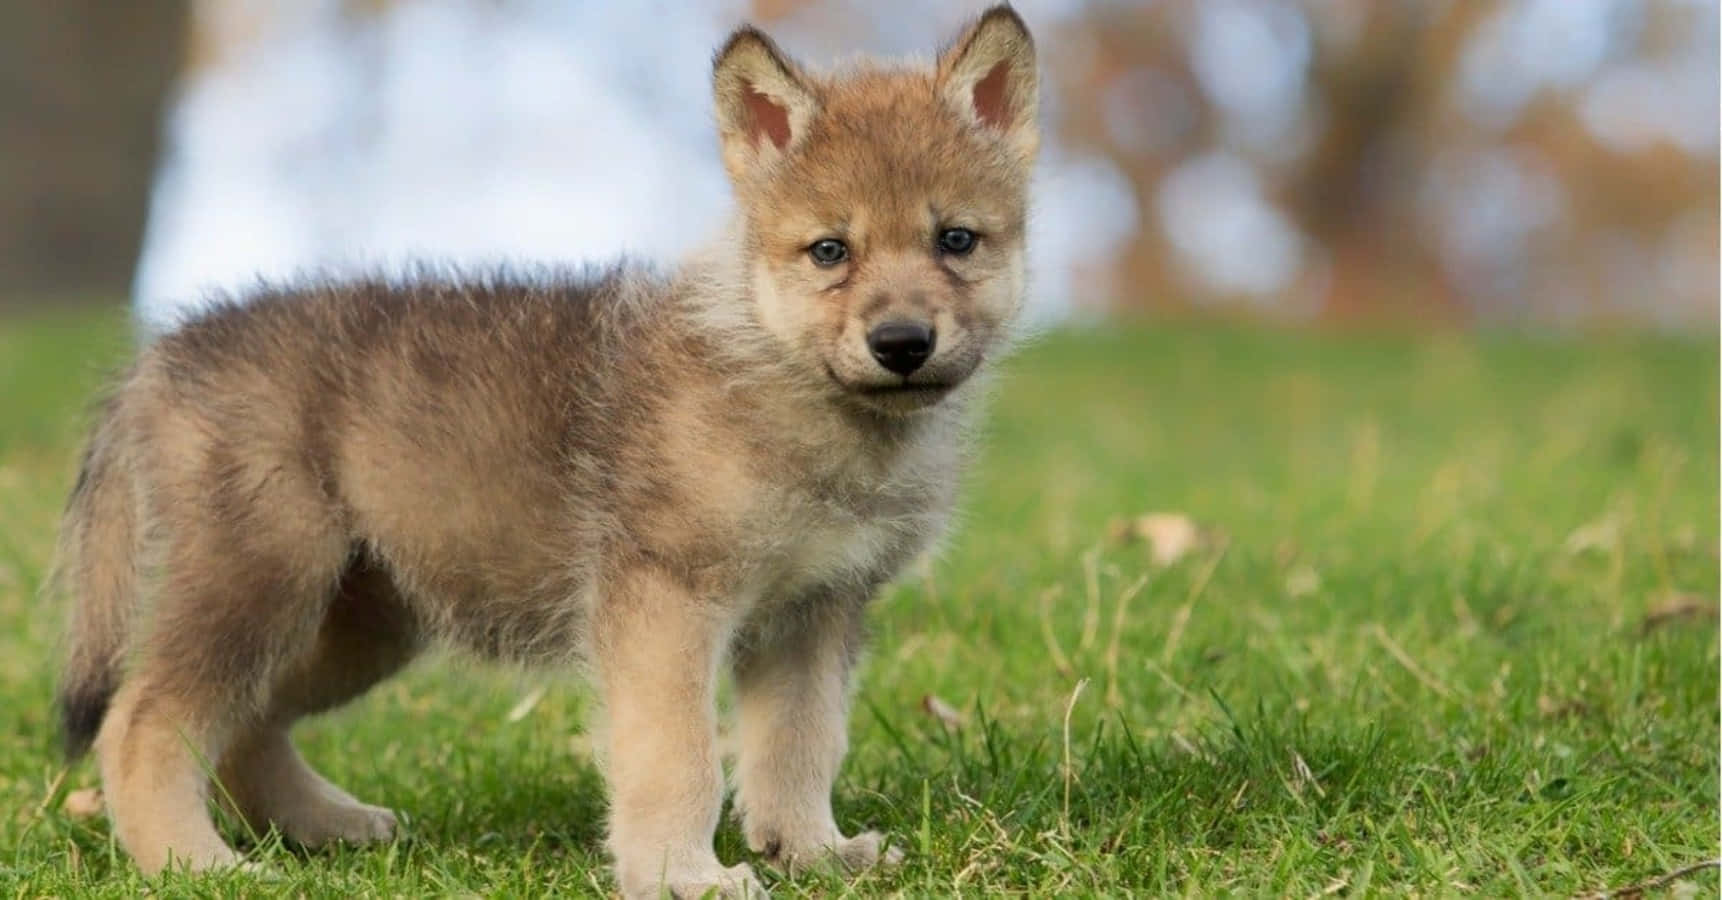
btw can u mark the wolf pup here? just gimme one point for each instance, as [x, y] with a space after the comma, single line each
[656, 477]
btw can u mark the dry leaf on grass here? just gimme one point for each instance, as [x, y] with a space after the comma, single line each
[944, 712]
[1170, 536]
[1676, 608]
[84, 803]
[1656, 884]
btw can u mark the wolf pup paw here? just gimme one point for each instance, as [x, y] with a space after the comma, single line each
[344, 822]
[851, 854]
[866, 850]
[734, 883]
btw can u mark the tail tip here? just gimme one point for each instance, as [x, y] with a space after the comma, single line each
[82, 708]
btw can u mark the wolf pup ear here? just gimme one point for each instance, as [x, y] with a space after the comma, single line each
[763, 103]
[989, 76]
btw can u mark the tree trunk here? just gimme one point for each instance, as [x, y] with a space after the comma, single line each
[84, 85]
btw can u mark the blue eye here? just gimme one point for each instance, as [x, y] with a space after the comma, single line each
[957, 241]
[828, 251]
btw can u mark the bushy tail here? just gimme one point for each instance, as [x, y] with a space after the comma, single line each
[96, 570]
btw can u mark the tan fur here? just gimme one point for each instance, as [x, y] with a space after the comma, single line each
[662, 479]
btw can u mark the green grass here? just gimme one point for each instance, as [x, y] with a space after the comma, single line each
[1392, 670]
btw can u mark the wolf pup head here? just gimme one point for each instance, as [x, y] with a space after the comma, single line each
[884, 209]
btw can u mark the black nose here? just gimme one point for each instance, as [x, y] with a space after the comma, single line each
[901, 346]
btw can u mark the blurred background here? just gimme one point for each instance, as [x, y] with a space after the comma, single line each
[1549, 164]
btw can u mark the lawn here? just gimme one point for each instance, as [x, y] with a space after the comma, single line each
[1447, 624]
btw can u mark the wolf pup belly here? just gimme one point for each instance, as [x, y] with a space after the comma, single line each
[652, 476]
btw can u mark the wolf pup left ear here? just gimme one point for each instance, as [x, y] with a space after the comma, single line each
[763, 104]
[989, 76]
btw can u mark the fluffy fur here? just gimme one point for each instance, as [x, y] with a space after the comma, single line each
[657, 477]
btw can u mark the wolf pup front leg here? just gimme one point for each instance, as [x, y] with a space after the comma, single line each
[792, 700]
[656, 649]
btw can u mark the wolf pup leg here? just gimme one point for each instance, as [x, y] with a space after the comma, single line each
[792, 702]
[657, 650]
[249, 556]
[367, 635]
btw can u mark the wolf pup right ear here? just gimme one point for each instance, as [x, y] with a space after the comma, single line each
[989, 77]
[763, 104]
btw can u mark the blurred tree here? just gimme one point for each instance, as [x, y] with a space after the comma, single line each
[1485, 160]
[83, 87]
[1502, 161]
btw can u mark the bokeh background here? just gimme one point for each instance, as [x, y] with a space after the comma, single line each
[1528, 163]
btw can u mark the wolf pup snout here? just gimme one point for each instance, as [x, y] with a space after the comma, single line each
[901, 345]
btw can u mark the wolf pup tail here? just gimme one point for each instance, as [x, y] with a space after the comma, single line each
[96, 571]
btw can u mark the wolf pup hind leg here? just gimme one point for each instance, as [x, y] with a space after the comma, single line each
[249, 555]
[658, 477]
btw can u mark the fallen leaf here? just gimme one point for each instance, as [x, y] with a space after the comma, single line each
[1677, 607]
[944, 712]
[1170, 536]
[84, 803]
[1668, 880]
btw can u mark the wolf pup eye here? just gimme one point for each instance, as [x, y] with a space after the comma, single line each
[956, 241]
[828, 252]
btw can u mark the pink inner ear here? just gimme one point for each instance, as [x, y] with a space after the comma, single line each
[991, 103]
[768, 118]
